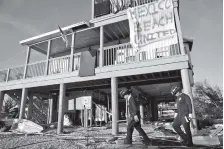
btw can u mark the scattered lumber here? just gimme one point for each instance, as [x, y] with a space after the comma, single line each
[206, 140]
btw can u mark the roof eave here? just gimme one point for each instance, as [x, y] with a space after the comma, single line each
[54, 33]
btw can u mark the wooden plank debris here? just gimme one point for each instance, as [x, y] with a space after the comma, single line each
[217, 131]
[206, 140]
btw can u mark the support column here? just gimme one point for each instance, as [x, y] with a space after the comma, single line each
[141, 113]
[48, 56]
[30, 107]
[114, 94]
[23, 103]
[101, 58]
[148, 113]
[105, 114]
[127, 111]
[154, 109]
[108, 107]
[72, 52]
[85, 117]
[54, 109]
[92, 6]
[82, 119]
[50, 110]
[55, 103]
[91, 117]
[179, 32]
[2, 95]
[27, 61]
[61, 108]
[187, 90]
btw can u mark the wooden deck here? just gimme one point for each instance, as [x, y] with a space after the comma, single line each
[145, 67]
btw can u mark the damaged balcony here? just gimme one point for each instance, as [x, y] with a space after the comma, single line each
[114, 56]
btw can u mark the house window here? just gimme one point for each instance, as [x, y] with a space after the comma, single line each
[101, 7]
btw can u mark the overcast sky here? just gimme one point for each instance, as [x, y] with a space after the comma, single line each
[201, 20]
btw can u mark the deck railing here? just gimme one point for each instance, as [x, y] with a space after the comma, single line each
[124, 53]
[77, 58]
[56, 66]
[16, 73]
[59, 65]
[3, 75]
[113, 55]
[141, 2]
[36, 69]
[118, 54]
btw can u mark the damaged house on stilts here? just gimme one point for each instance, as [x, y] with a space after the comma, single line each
[84, 66]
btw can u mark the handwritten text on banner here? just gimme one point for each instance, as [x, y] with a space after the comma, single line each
[152, 24]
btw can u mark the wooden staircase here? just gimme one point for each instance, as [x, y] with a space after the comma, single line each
[40, 106]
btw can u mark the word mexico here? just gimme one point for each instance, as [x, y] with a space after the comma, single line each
[151, 22]
[152, 8]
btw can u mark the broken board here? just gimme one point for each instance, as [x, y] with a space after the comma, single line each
[206, 140]
[156, 144]
[217, 131]
[142, 146]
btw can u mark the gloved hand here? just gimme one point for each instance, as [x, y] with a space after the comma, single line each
[175, 115]
[190, 116]
[136, 118]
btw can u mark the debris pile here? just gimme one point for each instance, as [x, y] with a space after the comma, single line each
[26, 126]
[22, 126]
[5, 125]
[210, 136]
[161, 133]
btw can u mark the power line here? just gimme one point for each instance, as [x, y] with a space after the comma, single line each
[13, 56]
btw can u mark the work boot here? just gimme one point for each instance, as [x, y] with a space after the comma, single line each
[190, 144]
[147, 142]
[183, 142]
[127, 141]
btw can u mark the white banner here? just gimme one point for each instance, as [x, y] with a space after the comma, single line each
[152, 26]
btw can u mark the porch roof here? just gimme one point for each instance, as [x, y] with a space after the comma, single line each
[86, 36]
[53, 34]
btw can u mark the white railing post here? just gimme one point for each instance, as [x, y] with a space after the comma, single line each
[7, 76]
[72, 52]
[48, 56]
[101, 58]
[177, 21]
[93, 15]
[2, 95]
[27, 61]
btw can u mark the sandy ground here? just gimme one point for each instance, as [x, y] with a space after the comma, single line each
[75, 138]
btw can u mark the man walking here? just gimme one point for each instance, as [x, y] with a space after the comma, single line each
[134, 118]
[183, 115]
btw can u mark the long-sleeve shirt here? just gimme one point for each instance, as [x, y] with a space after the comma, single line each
[184, 106]
[133, 107]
